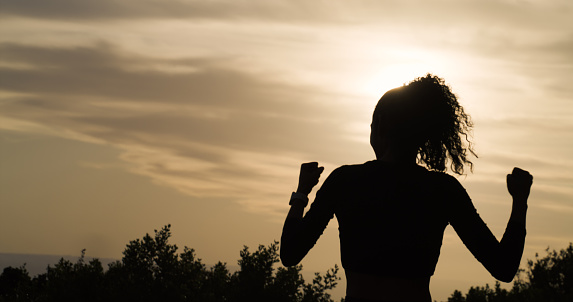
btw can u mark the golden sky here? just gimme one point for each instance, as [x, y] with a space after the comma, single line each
[118, 117]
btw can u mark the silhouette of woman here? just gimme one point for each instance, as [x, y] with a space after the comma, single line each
[392, 211]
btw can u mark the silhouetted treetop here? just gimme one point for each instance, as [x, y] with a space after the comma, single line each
[152, 270]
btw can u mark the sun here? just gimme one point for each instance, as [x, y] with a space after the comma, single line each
[393, 76]
[400, 67]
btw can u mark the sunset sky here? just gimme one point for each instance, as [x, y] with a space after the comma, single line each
[119, 116]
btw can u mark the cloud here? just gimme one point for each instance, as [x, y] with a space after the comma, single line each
[210, 131]
[199, 122]
[211, 126]
[114, 9]
[399, 13]
[103, 71]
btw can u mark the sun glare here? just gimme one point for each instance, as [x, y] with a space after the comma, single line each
[393, 76]
[399, 67]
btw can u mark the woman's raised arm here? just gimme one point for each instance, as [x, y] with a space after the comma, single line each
[500, 258]
[300, 233]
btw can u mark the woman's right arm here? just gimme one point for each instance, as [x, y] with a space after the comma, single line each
[500, 258]
[301, 233]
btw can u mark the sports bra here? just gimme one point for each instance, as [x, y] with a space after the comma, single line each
[392, 220]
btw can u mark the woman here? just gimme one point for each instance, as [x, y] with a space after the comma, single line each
[392, 212]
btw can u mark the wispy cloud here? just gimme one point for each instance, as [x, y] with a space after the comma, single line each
[210, 131]
[282, 10]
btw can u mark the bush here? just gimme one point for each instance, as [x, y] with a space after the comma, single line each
[152, 270]
[548, 279]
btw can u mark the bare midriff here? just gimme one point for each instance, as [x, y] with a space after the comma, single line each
[371, 287]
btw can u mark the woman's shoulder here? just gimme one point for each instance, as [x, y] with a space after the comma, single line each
[348, 172]
[376, 166]
[443, 178]
[448, 184]
[413, 171]
[343, 171]
[353, 169]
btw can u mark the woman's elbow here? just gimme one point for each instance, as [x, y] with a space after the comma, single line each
[505, 279]
[288, 256]
[289, 261]
[506, 276]
[503, 269]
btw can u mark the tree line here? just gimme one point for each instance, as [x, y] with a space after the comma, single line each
[151, 269]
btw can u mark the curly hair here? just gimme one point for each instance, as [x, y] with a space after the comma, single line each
[426, 113]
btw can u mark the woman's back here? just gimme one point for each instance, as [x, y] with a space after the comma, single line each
[387, 212]
[391, 223]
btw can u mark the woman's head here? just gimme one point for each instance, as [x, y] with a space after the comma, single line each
[424, 117]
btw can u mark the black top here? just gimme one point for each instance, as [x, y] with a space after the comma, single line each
[392, 220]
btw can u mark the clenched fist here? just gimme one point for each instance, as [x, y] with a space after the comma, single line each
[519, 184]
[308, 177]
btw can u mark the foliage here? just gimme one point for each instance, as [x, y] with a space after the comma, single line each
[152, 270]
[14, 284]
[547, 279]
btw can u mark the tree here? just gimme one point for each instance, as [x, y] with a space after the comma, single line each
[68, 281]
[317, 291]
[256, 275]
[547, 279]
[152, 270]
[550, 278]
[457, 296]
[15, 284]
